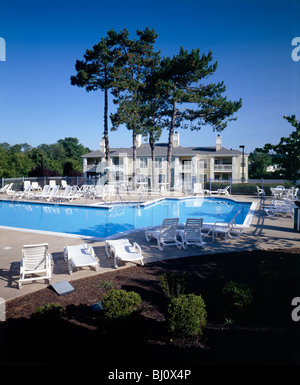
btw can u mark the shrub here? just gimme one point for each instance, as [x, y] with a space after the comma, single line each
[238, 296]
[173, 284]
[186, 315]
[120, 303]
[50, 312]
[107, 284]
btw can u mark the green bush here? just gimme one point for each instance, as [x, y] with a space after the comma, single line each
[186, 315]
[120, 304]
[50, 312]
[173, 284]
[237, 295]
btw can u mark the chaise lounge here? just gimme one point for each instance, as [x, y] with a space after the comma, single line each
[166, 235]
[35, 261]
[191, 234]
[123, 250]
[80, 256]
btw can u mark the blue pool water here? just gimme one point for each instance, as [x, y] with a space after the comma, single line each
[102, 223]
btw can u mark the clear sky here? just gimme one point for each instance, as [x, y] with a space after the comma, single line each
[250, 39]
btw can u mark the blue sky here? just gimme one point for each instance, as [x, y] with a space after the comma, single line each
[250, 39]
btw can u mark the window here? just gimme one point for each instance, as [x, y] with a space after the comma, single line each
[115, 161]
[202, 163]
[158, 162]
[143, 162]
[161, 178]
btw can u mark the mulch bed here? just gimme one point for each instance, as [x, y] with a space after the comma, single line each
[265, 334]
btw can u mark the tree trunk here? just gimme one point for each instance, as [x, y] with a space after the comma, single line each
[170, 144]
[134, 158]
[105, 133]
[152, 146]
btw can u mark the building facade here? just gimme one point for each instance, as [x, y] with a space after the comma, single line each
[189, 164]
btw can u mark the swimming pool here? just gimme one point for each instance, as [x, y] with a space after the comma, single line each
[100, 222]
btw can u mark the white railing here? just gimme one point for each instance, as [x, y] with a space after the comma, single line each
[223, 167]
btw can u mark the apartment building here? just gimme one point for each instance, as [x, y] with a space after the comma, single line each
[189, 164]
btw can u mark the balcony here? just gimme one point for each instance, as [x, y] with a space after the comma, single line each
[223, 167]
[185, 169]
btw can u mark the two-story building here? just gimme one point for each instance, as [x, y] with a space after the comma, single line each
[189, 164]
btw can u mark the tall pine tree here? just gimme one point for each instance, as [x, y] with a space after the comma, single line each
[179, 81]
[130, 71]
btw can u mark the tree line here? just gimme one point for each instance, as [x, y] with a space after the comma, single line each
[285, 154]
[62, 158]
[153, 93]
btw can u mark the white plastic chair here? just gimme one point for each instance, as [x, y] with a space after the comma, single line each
[100, 192]
[198, 189]
[54, 193]
[123, 250]
[44, 193]
[80, 256]
[35, 260]
[24, 194]
[35, 186]
[191, 234]
[281, 207]
[260, 192]
[228, 229]
[4, 188]
[166, 235]
[221, 191]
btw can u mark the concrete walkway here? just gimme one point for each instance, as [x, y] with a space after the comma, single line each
[264, 233]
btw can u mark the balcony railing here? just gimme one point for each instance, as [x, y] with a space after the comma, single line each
[223, 167]
[185, 168]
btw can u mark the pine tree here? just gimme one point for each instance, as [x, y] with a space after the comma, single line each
[135, 61]
[189, 101]
[93, 73]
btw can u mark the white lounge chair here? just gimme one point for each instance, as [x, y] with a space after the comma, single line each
[63, 184]
[35, 186]
[35, 260]
[281, 207]
[99, 192]
[23, 194]
[67, 195]
[221, 191]
[80, 256]
[44, 193]
[228, 229]
[54, 193]
[198, 189]
[123, 250]
[166, 235]
[5, 188]
[9, 190]
[191, 234]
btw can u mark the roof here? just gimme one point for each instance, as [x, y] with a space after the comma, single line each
[161, 150]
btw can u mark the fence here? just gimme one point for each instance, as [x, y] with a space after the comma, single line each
[237, 187]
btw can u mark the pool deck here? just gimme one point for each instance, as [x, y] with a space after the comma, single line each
[265, 232]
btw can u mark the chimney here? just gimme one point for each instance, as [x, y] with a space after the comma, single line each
[138, 140]
[218, 143]
[102, 146]
[176, 139]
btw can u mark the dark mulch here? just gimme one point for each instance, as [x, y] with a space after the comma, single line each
[263, 334]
